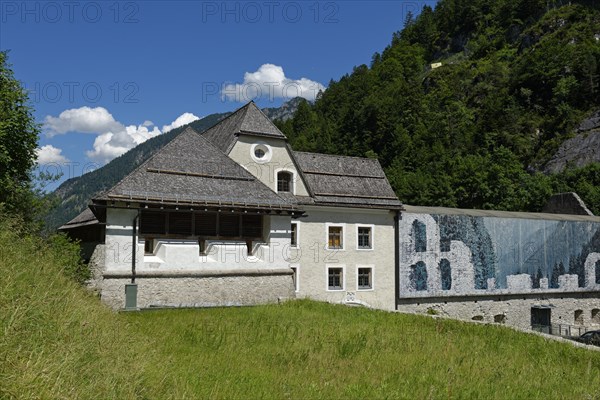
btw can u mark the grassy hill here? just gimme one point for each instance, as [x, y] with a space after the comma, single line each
[58, 341]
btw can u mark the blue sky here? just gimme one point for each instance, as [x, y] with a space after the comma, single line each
[107, 75]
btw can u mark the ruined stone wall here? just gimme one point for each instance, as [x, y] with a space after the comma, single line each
[512, 310]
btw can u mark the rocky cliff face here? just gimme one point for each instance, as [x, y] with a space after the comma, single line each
[581, 150]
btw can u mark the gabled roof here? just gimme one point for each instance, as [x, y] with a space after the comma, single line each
[85, 218]
[346, 181]
[191, 170]
[246, 120]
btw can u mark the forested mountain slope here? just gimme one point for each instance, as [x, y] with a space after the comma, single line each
[468, 102]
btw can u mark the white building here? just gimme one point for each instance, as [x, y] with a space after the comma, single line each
[234, 216]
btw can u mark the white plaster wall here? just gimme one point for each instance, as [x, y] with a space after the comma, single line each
[267, 172]
[312, 256]
[119, 240]
[184, 255]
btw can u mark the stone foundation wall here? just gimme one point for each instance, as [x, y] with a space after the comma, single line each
[205, 289]
[510, 310]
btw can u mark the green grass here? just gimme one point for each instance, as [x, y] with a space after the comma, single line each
[58, 341]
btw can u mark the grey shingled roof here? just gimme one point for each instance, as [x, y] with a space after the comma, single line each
[190, 169]
[246, 120]
[86, 217]
[346, 181]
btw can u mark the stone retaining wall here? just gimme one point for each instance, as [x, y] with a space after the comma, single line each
[202, 289]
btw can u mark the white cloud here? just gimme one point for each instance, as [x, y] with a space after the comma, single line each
[49, 154]
[183, 119]
[109, 145]
[84, 119]
[114, 138]
[269, 81]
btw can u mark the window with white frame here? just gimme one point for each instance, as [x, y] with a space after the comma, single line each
[364, 237]
[335, 278]
[335, 237]
[364, 276]
[284, 181]
[294, 234]
[295, 278]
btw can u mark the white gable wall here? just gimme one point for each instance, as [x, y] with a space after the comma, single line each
[279, 159]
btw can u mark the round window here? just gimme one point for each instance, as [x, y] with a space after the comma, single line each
[259, 153]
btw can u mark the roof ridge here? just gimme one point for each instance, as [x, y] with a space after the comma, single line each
[337, 156]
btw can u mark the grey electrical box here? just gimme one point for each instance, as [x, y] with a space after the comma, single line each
[131, 297]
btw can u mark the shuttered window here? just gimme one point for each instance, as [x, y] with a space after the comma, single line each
[229, 225]
[153, 222]
[206, 224]
[252, 226]
[180, 223]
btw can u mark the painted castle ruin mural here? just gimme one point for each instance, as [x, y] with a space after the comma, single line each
[450, 255]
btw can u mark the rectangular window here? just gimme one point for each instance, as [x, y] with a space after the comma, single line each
[335, 237]
[365, 278]
[365, 237]
[148, 246]
[295, 278]
[335, 278]
[294, 235]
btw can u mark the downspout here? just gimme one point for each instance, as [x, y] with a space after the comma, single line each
[134, 245]
[131, 288]
[397, 258]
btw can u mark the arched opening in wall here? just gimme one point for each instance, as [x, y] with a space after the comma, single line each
[284, 181]
[598, 272]
[578, 317]
[477, 318]
[419, 234]
[446, 274]
[596, 316]
[500, 319]
[418, 276]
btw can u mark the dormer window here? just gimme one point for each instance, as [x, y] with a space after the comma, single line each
[284, 181]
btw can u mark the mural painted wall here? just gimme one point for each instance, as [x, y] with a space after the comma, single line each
[449, 255]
